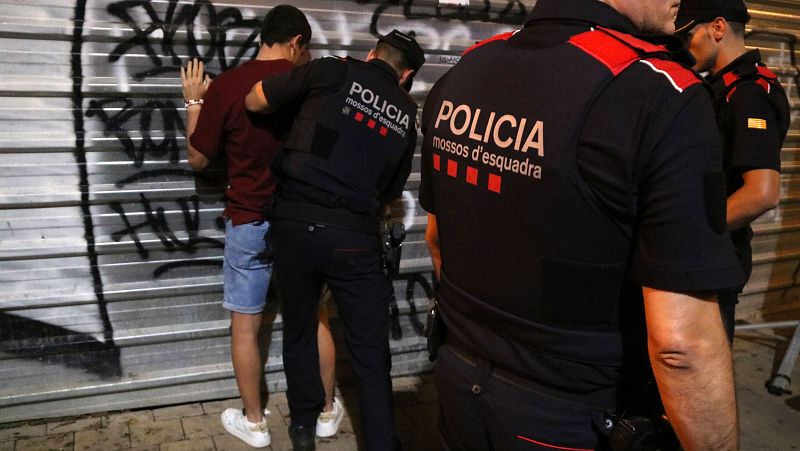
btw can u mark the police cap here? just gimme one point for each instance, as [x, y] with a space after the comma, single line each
[694, 12]
[407, 45]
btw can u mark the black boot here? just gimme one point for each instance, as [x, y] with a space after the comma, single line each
[302, 438]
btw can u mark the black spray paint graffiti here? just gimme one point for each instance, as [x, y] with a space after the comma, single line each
[111, 368]
[158, 123]
[160, 35]
[156, 221]
[53, 343]
[117, 125]
[58, 344]
[119, 116]
[158, 39]
[412, 280]
[183, 18]
[513, 13]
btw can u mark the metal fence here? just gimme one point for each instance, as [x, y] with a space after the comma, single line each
[111, 248]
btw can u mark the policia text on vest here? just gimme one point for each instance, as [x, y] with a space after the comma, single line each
[384, 112]
[501, 130]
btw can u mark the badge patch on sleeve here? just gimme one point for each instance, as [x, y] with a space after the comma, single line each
[759, 124]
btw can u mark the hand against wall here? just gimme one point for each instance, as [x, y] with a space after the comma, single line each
[194, 82]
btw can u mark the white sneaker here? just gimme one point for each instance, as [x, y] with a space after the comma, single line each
[328, 422]
[254, 434]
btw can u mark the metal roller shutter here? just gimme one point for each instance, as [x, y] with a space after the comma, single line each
[110, 248]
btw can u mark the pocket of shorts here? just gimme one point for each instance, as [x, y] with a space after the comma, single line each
[246, 246]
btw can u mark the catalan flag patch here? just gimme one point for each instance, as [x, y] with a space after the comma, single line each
[760, 124]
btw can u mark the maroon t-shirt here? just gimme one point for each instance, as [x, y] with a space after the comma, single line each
[249, 141]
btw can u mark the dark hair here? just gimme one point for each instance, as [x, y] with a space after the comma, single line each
[737, 28]
[282, 23]
[392, 55]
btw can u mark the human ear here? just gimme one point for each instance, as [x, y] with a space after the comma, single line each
[718, 28]
[407, 73]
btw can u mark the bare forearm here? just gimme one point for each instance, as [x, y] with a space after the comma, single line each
[759, 193]
[196, 159]
[699, 398]
[432, 239]
[692, 364]
[194, 83]
[743, 209]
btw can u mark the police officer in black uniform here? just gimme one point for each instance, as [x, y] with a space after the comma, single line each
[571, 169]
[752, 115]
[347, 157]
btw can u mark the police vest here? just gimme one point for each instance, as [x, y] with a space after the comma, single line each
[354, 145]
[511, 198]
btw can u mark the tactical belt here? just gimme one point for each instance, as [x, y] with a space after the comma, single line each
[600, 400]
[333, 217]
[550, 343]
[584, 346]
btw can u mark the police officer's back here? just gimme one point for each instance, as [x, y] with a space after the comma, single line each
[558, 173]
[348, 154]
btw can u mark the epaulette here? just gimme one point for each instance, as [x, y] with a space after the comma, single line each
[500, 37]
[759, 73]
[617, 51]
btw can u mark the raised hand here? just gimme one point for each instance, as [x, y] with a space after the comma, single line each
[195, 83]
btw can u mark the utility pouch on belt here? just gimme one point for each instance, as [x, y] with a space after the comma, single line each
[643, 426]
[435, 330]
[638, 433]
[392, 236]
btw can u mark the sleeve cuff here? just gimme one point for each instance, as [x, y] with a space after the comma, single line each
[705, 280]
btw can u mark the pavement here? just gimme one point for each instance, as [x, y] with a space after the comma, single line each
[767, 422]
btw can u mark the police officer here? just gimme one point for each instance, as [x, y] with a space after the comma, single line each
[571, 169]
[347, 157]
[752, 115]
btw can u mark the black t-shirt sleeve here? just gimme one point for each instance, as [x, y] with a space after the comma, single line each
[681, 242]
[290, 88]
[754, 129]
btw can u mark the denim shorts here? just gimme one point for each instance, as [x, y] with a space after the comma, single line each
[247, 267]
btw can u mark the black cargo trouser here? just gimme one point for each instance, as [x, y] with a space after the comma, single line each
[479, 409]
[728, 298]
[307, 255]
